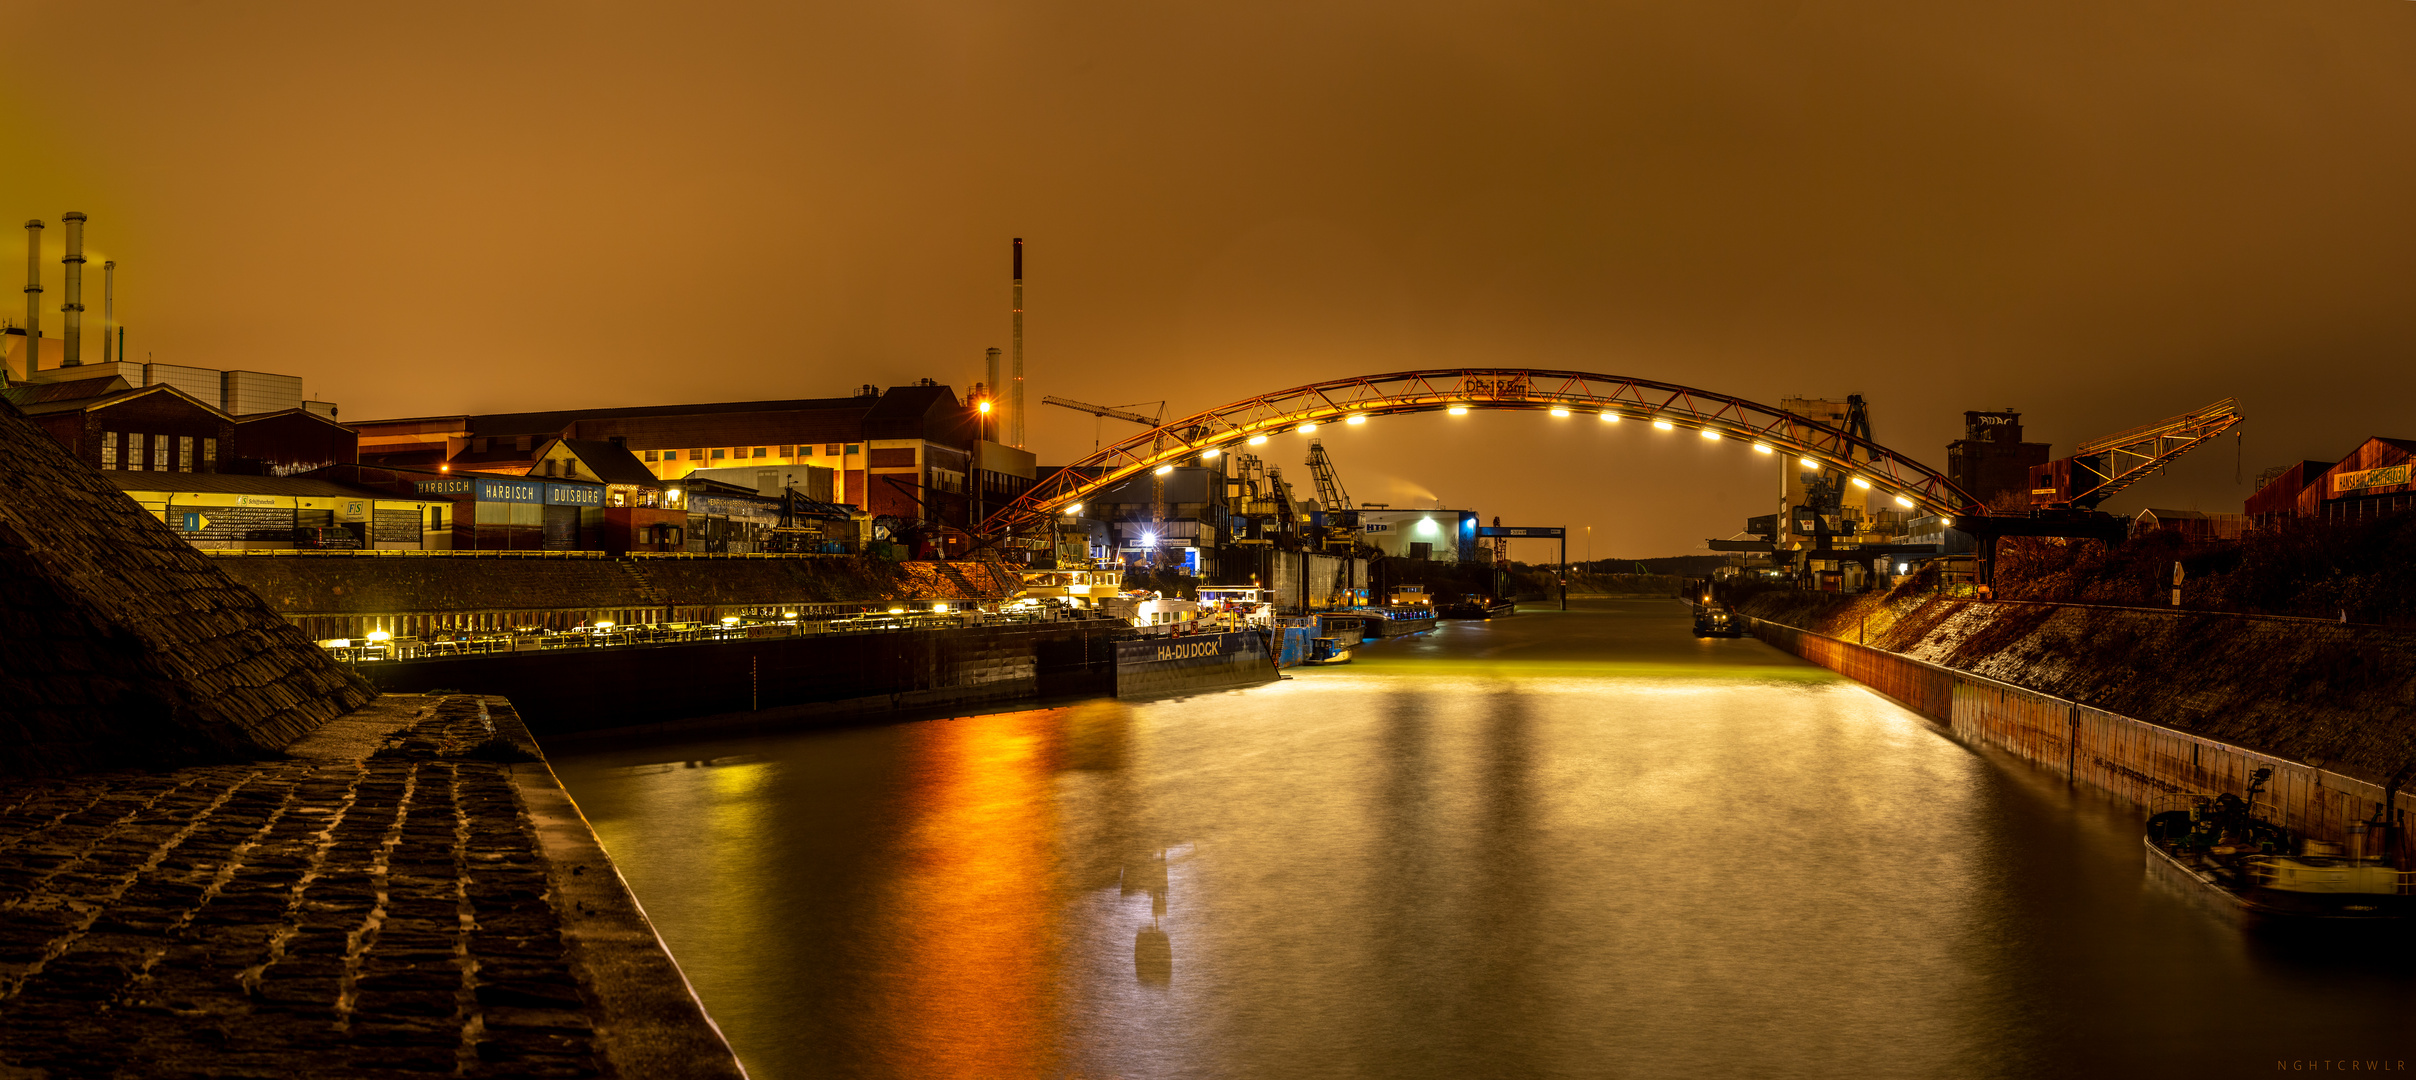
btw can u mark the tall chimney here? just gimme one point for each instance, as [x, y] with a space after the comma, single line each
[74, 307]
[33, 297]
[1015, 399]
[988, 430]
[108, 307]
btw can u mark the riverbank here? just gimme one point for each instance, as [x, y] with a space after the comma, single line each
[406, 892]
[2137, 701]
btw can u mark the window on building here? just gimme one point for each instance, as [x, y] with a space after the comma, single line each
[650, 455]
[853, 448]
[109, 449]
[696, 455]
[788, 451]
[570, 468]
[436, 519]
[717, 453]
[159, 454]
[134, 451]
[549, 467]
[184, 453]
[209, 455]
[759, 452]
[831, 450]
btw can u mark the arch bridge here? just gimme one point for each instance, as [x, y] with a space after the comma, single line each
[1564, 394]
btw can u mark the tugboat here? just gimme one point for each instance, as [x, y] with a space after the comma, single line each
[1714, 620]
[2257, 867]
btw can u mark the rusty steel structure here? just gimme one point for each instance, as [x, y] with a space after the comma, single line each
[2110, 463]
[1301, 409]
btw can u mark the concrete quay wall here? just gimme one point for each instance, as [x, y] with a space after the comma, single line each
[574, 690]
[2136, 759]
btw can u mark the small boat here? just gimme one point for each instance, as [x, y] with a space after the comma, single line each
[2257, 868]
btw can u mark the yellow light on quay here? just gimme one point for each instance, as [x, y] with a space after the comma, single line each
[607, 624]
[729, 620]
[1664, 425]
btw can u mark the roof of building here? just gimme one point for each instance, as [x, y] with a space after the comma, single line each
[86, 404]
[611, 462]
[902, 412]
[306, 487]
[73, 390]
[251, 418]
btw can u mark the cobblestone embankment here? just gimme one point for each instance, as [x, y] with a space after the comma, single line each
[407, 893]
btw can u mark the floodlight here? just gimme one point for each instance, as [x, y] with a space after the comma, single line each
[1664, 425]
[1714, 436]
[1761, 448]
[1356, 419]
[1457, 410]
[1561, 413]
[1862, 483]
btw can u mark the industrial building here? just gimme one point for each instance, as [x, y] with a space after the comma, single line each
[1439, 535]
[910, 453]
[2372, 481]
[1991, 458]
[274, 513]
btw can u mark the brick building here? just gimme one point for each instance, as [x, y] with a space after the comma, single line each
[905, 452]
[2372, 481]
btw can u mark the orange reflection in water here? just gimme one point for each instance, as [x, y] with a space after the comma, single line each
[971, 905]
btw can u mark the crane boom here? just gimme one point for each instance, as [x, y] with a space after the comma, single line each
[1110, 412]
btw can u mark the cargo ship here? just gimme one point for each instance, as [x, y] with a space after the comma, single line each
[2258, 870]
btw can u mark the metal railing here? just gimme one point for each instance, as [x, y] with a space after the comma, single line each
[542, 640]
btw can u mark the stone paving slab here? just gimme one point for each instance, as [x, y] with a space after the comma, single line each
[378, 904]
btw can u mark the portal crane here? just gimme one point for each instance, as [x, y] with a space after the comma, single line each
[1341, 519]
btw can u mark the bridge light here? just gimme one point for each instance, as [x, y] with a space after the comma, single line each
[1946, 521]
[1762, 448]
[1073, 510]
[1664, 425]
[1457, 410]
[1210, 453]
[1308, 427]
[1164, 469]
[1808, 462]
[1561, 413]
[1862, 483]
[1258, 440]
[1904, 502]
[1610, 418]
[1714, 436]
[1356, 419]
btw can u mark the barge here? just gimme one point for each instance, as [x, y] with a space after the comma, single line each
[2256, 870]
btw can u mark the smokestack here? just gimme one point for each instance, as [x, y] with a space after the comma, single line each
[989, 432]
[108, 307]
[1015, 405]
[33, 297]
[74, 307]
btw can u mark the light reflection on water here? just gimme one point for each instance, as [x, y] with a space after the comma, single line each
[1551, 845]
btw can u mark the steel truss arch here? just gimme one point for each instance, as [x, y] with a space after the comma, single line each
[1235, 426]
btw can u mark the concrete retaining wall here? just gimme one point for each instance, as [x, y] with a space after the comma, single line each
[571, 690]
[2132, 758]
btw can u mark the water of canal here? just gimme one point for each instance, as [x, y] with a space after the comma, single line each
[1581, 844]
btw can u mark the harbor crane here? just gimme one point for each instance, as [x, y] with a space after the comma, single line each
[1341, 518]
[2110, 463]
[1157, 479]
